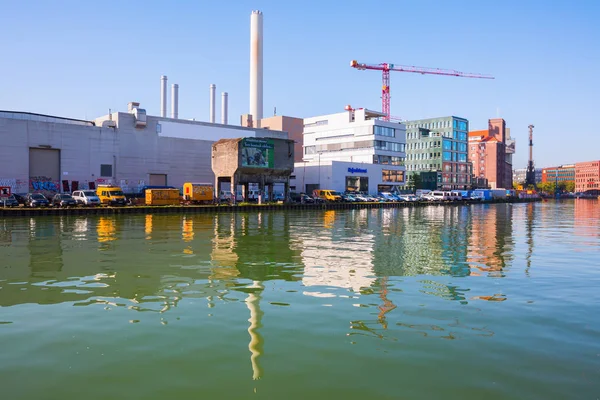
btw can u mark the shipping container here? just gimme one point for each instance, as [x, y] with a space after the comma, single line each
[200, 193]
[162, 197]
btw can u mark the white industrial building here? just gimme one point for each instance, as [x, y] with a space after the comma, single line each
[355, 150]
[53, 154]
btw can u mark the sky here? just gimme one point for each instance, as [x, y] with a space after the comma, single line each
[80, 58]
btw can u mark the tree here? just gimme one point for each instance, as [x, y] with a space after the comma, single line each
[546, 187]
[570, 186]
[415, 181]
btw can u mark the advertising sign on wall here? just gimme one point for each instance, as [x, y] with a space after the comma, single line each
[257, 153]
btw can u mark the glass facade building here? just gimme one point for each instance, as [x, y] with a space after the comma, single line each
[440, 145]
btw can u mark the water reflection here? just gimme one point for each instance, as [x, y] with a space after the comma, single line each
[364, 259]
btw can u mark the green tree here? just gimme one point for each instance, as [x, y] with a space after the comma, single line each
[546, 187]
[415, 181]
[570, 186]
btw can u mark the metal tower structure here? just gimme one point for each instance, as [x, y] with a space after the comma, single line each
[385, 69]
[530, 174]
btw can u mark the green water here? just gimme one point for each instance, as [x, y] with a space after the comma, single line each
[466, 302]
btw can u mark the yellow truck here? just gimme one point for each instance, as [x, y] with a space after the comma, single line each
[110, 195]
[162, 197]
[198, 193]
[327, 195]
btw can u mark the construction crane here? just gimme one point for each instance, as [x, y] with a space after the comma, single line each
[385, 69]
[530, 174]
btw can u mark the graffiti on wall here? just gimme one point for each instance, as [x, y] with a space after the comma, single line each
[16, 185]
[43, 184]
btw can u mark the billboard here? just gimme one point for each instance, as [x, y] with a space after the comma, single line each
[257, 153]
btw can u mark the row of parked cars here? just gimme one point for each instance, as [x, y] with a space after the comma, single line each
[83, 197]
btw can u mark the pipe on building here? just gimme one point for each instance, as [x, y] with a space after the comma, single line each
[224, 108]
[213, 89]
[256, 66]
[175, 101]
[163, 96]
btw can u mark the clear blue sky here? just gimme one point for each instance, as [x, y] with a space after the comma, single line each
[80, 58]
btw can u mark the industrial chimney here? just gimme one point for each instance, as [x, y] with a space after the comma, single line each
[175, 101]
[213, 89]
[256, 66]
[163, 96]
[224, 108]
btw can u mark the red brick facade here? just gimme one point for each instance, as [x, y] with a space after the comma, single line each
[487, 152]
[587, 176]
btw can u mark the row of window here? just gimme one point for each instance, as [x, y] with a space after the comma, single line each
[458, 124]
[387, 160]
[389, 146]
[457, 135]
[422, 156]
[377, 144]
[460, 157]
[384, 131]
[424, 167]
[392, 175]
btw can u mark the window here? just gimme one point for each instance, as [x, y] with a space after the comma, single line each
[105, 170]
[447, 145]
[310, 150]
[392, 175]
[447, 156]
[389, 146]
[462, 157]
[384, 131]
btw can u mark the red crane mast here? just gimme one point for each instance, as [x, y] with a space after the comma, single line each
[385, 69]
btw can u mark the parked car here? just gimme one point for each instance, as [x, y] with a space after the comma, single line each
[10, 201]
[301, 198]
[36, 200]
[20, 197]
[408, 197]
[63, 200]
[349, 198]
[86, 197]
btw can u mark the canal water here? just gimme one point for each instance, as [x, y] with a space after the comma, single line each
[459, 302]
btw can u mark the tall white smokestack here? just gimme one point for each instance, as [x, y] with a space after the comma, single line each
[175, 101]
[256, 66]
[224, 108]
[163, 96]
[213, 89]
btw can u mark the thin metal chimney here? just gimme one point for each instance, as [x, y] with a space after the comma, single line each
[256, 66]
[213, 89]
[224, 108]
[163, 96]
[175, 101]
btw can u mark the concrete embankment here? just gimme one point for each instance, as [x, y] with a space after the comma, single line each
[30, 212]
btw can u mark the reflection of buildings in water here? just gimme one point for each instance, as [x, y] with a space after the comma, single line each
[491, 242]
[587, 217]
[335, 258]
[253, 246]
[422, 240]
[256, 345]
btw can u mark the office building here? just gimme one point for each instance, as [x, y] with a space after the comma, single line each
[562, 173]
[355, 150]
[294, 128]
[587, 177]
[438, 147]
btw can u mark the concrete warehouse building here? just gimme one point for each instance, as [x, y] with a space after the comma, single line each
[354, 150]
[130, 149]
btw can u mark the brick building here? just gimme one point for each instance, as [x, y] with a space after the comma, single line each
[587, 176]
[490, 152]
[562, 173]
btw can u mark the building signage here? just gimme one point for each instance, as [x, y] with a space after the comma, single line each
[357, 170]
[257, 143]
[257, 153]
